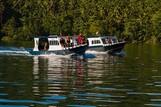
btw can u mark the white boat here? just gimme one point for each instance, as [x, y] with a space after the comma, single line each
[56, 45]
[107, 44]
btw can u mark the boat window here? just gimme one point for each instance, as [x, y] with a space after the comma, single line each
[54, 42]
[96, 42]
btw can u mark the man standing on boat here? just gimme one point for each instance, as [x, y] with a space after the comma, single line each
[68, 41]
[81, 39]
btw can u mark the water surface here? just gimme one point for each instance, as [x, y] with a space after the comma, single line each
[101, 81]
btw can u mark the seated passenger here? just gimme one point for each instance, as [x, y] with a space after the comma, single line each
[68, 41]
[45, 46]
[62, 42]
[81, 39]
[109, 41]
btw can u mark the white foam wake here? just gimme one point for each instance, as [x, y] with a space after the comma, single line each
[96, 52]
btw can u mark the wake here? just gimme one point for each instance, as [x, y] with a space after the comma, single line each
[14, 51]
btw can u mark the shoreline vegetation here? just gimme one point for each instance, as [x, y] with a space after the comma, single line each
[136, 21]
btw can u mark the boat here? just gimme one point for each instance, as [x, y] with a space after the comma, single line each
[108, 44]
[54, 44]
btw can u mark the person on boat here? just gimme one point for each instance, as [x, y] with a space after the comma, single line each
[45, 46]
[60, 34]
[74, 40]
[62, 42]
[109, 41]
[68, 41]
[81, 39]
[98, 33]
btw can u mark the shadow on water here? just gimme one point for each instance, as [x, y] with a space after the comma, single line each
[118, 54]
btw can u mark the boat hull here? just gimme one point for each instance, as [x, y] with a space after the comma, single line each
[115, 47]
[108, 48]
[66, 51]
[96, 48]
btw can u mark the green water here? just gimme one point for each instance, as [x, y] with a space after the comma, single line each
[104, 81]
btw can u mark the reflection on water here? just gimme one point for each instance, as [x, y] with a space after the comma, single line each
[78, 81]
[98, 81]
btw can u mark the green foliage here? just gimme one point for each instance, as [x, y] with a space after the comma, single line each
[10, 28]
[134, 19]
[156, 21]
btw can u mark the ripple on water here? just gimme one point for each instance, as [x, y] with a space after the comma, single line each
[80, 106]
[154, 94]
[156, 100]
[149, 84]
[98, 100]
[142, 93]
[154, 105]
[135, 93]
[91, 95]
[96, 97]
[105, 88]
[44, 102]
[3, 94]
[156, 76]
[157, 84]
[133, 79]
[55, 98]
[111, 89]
[13, 106]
